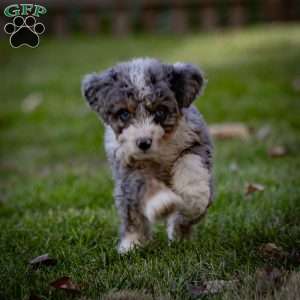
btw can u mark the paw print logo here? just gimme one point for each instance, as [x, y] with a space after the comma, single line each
[24, 31]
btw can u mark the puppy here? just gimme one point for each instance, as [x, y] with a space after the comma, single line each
[157, 144]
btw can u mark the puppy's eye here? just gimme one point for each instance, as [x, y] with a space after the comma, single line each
[160, 115]
[123, 115]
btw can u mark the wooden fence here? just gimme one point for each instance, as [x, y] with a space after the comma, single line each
[121, 17]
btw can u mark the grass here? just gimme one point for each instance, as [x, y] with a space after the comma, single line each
[56, 189]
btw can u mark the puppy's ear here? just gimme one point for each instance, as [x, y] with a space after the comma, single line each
[96, 88]
[187, 82]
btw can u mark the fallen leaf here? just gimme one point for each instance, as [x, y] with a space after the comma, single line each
[230, 131]
[65, 283]
[210, 287]
[263, 133]
[271, 250]
[269, 278]
[277, 151]
[43, 260]
[31, 102]
[253, 187]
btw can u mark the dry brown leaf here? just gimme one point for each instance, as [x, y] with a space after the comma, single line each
[253, 187]
[43, 260]
[230, 131]
[31, 102]
[210, 287]
[271, 250]
[65, 283]
[277, 151]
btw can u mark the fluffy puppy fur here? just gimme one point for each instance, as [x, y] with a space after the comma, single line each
[157, 144]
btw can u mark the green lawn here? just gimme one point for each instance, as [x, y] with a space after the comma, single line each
[56, 188]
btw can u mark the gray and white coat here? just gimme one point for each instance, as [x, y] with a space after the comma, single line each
[157, 144]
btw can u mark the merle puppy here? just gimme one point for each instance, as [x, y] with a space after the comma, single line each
[157, 144]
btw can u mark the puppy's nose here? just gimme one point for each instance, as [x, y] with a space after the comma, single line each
[144, 143]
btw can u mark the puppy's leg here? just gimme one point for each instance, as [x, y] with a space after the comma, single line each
[191, 180]
[134, 229]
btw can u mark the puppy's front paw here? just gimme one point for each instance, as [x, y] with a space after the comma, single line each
[161, 204]
[129, 242]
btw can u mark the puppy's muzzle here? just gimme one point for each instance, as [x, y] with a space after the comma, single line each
[144, 143]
